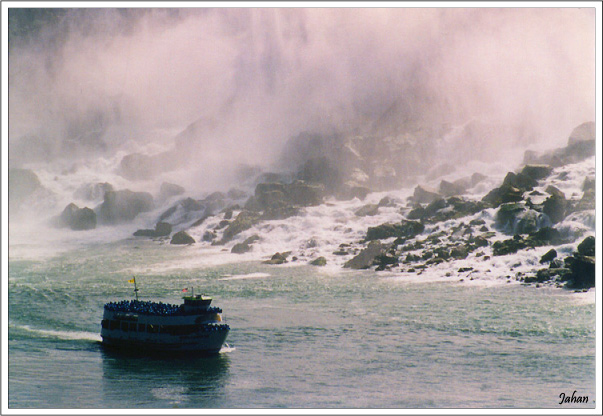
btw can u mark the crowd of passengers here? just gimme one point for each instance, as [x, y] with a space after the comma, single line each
[152, 308]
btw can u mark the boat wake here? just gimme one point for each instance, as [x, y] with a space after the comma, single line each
[226, 348]
[65, 335]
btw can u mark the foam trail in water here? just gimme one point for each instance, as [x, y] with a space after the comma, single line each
[246, 276]
[66, 335]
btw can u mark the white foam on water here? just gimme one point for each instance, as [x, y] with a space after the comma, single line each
[226, 349]
[66, 335]
[246, 276]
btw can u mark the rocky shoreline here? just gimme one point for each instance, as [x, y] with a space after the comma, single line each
[436, 226]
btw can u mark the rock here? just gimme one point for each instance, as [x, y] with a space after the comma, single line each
[162, 229]
[536, 172]
[320, 261]
[545, 236]
[502, 195]
[530, 221]
[384, 261]
[22, 183]
[587, 247]
[434, 206]
[582, 273]
[587, 202]
[581, 145]
[585, 132]
[278, 258]
[320, 170]
[77, 219]
[280, 201]
[144, 233]
[367, 210]
[209, 236]
[244, 221]
[386, 201]
[215, 196]
[452, 189]
[240, 248]
[477, 178]
[555, 206]
[459, 252]
[548, 256]
[304, 194]
[168, 190]
[554, 191]
[182, 237]
[520, 181]
[123, 206]
[245, 246]
[417, 213]
[589, 183]
[137, 166]
[348, 192]
[366, 257]
[423, 195]
[507, 214]
[406, 229]
[479, 241]
[510, 246]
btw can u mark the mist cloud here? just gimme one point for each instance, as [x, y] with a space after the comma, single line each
[105, 80]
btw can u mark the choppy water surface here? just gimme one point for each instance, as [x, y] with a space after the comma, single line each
[301, 337]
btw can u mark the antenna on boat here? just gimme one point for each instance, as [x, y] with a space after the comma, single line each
[133, 280]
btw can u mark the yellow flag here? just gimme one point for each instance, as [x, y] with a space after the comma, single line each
[132, 280]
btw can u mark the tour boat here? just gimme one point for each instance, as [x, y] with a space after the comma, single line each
[146, 326]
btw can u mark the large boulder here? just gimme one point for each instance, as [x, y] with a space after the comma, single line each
[366, 257]
[587, 246]
[77, 218]
[182, 238]
[580, 146]
[455, 188]
[123, 206]
[137, 166]
[168, 190]
[425, 195]
[582, 274]
[245, 246]
[520, 181]
[536, 172]
[585, 132]
[555, 206]
[502, 195]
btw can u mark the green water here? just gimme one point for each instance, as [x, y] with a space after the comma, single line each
[301, 337]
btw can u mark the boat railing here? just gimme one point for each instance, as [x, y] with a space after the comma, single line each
[156, 308]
